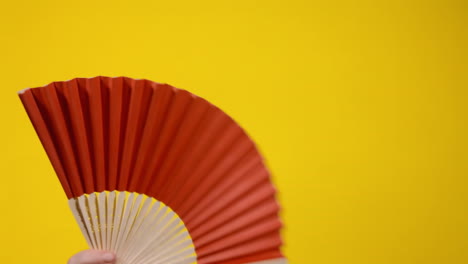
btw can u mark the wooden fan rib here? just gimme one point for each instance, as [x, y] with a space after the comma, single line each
[117, 219]
[264, 257]
[46, 134]
[185, 260]
[101, 208]
[181, 250]
[133, 218]
[271, 261]
[75, 208]
[175, 238]
[167, 225]
[110, 209]
[142, 236]
[154, 240]
[155, 223]
[140, 218]
[129, 200]
[91, 205]
[84, 209]
[162, 249]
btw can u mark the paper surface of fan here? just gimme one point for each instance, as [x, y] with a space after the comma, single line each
[106, 134]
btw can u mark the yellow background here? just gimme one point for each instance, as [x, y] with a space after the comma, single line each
[358, 106]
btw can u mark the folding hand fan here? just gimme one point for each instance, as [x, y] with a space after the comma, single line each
[156, 174]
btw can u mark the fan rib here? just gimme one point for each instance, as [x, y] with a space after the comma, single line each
[101, 208]
[142, 236]
[141, 216]
[84, 209]
[74, 206]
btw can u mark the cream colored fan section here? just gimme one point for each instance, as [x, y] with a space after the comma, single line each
[272, 261]
[139, 228]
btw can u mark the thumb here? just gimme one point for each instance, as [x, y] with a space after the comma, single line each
[92, 257]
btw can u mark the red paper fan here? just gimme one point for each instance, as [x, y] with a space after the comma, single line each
[157, 174]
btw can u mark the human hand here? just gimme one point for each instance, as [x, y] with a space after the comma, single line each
[92, 257]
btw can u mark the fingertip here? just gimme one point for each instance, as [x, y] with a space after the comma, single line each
[108, 257]
[93, 257]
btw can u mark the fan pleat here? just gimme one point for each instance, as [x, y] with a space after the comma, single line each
[160, 100]
[138, 111]
[75, 114]
[117, 120]
[63, 131]
[236, 208]
[201, 177]
[176, 155]
[266, 210]
[178, 108]
[238, 238]
[243, 171]
[263, 243]
[46, 135]
[213, 131]
[252, 190]
[97, 130]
